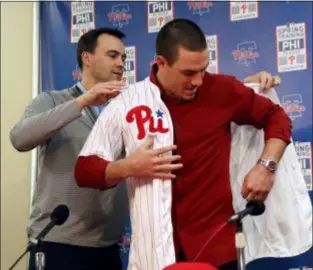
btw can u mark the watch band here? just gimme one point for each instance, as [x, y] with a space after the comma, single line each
[270, 164]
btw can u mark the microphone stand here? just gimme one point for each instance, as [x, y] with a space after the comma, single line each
[253, 208]
[40, 258]
[240, 244]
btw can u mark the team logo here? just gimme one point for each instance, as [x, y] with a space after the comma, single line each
[291, 47]
[76, 74]
[120, 15]
[200, 7]
[243, 10]
[82, 19]
[143, 115]
[246, 53]
[293, 105]
[159, 13]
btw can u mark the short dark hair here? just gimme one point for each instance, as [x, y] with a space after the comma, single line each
[179, 32]
[88, 41]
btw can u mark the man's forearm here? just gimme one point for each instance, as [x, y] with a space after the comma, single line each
[117, 171]
[34, 130]
[274, 149]
[95, 172]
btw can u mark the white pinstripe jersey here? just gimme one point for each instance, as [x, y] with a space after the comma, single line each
[126, 122]
[283, 229]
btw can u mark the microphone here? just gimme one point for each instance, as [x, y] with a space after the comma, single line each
[58, 216]
[253, 208]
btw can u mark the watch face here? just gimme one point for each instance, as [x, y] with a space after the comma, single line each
[269, 164]
[272, 165]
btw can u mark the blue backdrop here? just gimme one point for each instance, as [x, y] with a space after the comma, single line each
[243, 38]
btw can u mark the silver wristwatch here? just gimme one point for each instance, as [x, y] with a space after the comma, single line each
[269, 164]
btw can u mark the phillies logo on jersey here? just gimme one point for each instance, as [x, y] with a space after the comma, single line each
[143, 114]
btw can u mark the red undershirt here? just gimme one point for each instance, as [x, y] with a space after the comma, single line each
[202, 198]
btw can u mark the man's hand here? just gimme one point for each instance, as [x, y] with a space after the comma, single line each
[265, 79]
[257, 183]
[148, 163]
[100, 94]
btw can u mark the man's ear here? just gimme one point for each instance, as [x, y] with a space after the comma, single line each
[86, 58]
[161, 61]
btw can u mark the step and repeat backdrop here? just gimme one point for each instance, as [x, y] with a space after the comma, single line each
[243, 38]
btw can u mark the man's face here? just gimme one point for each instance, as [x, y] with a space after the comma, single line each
[106, 63]
[185, 75]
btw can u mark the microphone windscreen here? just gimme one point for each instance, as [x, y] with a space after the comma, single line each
[258, 207]
[60, 213]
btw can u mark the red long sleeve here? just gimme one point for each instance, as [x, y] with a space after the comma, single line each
[279, 125]
[90, 172]
[261, 112]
